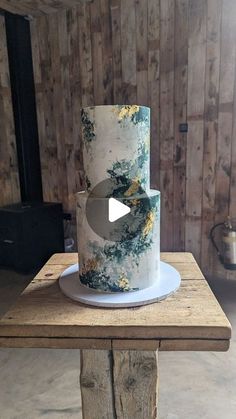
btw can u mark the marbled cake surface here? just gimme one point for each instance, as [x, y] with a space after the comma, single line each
[116, 147]
[116, 143]
[130, 264]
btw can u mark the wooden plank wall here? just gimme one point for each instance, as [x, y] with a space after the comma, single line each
[36, 7]
[176, 56]
[9, 179]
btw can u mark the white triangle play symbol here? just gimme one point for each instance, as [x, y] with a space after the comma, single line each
[116, 210]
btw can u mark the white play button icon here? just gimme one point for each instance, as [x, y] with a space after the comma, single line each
[114, 215]
[116, 210]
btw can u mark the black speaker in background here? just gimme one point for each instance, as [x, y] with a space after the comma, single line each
[29, 234]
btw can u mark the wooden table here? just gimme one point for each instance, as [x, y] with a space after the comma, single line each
[119, 347]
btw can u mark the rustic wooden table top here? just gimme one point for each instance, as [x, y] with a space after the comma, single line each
[190, 319]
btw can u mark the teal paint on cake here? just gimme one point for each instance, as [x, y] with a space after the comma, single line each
[129, 171]
[116, 145]
[108, 142]
[88, 128]
[109, 261]
[100, 280]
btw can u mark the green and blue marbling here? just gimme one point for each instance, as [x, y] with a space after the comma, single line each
[116, 140]
[126, 265]
[116, 146]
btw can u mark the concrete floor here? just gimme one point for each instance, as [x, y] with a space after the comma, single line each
[41, 383]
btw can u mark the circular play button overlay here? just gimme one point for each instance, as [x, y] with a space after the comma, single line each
[117, 209]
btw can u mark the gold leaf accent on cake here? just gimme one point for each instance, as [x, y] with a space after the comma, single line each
[126, 111]
[90, 265]
[135, 202]
[133, 187]
[149, 223]
[123, 283]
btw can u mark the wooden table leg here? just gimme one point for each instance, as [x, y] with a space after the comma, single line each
[96, 383]
[119, 384]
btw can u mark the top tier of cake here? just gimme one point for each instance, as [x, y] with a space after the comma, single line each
[116, 144]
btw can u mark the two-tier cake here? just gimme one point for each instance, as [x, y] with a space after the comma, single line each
[116, 147]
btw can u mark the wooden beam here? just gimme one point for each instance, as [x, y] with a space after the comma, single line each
[118, 344]
[135, 376]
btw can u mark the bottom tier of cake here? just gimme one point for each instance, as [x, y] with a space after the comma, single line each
[128, 264]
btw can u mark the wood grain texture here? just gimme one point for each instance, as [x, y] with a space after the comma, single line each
[167, 120]
[128, 52]
[120, 384]
[57, 94]
[190, 344]
[187, 271]
[171, 345]
[142, 51]
[153, 36]
[96, 383]
[37, 7]
[57, 343]
[115, 6]
[212, 78]
[176, 56]
[43, 312]
[195, 115]
[9, 178]
[135, 344]
[180, 116]
[136, 384]
[220, 345]
[225, 139]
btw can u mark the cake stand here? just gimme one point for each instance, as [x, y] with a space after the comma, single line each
[168, 283]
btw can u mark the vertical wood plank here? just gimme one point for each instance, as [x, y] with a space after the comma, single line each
[154, 88]
[227, 68]
[75, 88]
[167, 8]
[58, 179]
[116, 50]
[71, 75]
[47, 143]
[96, 38]
[96, 384]
[141, 9]
[180, 117]
[135, 384]
[232, 203]
[214, 10]
[85, 52]
[106, 52]
[196, 83]
[128, 52]
[225, 120]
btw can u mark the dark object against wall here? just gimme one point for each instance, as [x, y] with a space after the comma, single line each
[30, 234]
[31, 231]
[24, 108]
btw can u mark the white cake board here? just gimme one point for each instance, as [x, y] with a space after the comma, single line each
[168, 283]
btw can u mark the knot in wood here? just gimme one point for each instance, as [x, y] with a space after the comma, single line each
[147, 367]
[88, 382]
[130, 383]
